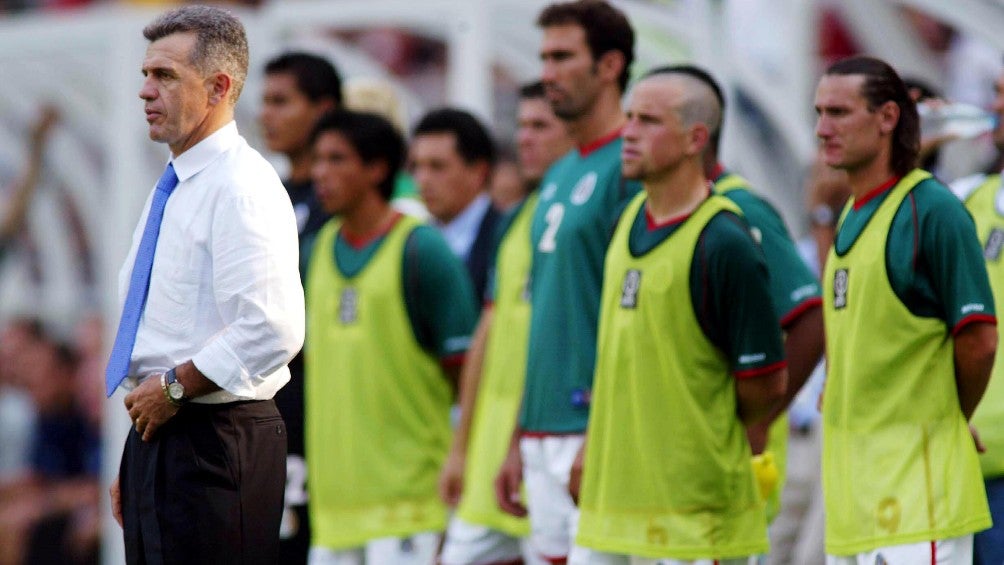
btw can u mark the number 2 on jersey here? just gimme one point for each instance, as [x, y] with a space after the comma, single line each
[553, 217]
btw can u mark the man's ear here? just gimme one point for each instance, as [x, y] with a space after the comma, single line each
[610, 65]
[698, 139]
[889, 115]
[219, 86]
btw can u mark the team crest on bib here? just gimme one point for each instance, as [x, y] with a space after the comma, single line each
[995, 241]
[840, 289]
[584, 188]
[629, 291]
[348, 306]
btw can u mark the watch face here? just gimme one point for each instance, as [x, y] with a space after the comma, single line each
[176, 390]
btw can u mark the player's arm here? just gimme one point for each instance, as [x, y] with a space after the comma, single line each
[442, 302]
[952, 258]
[741, 318]
[510, 476]
[451, 477]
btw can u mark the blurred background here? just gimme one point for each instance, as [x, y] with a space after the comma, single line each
[76, 166]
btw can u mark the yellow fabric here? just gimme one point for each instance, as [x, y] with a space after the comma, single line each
[376, 404]
[777, 434]
[667, 471]
[989, 415]
[899, 465]
[503, 374]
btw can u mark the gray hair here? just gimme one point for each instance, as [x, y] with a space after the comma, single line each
[221, 45]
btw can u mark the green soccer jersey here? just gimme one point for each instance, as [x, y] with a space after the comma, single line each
[667, 471]
[986, 203]
[899, 465]
[580, 198]
[793, 289]
[377, 399]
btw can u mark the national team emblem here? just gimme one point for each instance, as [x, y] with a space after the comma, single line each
[548, 191]
[992, 250]
[840, 289]
[348, 306]
[584, 189]
[629, 292]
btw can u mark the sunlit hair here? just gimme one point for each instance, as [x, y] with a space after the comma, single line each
[221, 45]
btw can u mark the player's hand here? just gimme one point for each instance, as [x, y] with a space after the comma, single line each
[980, 446]
[508, 481]
[451, 478]
[765, 471]
[148, 408]
[116, 496]
[575, 475]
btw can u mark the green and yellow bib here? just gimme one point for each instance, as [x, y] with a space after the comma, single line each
[899, 465]
[503, 374]
[986, 204]
[376, 404]
[667, 471]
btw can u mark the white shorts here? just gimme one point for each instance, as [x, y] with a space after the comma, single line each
[954, 551]
[473, 544]
[554, 518]
[419, 549]
[585, 556]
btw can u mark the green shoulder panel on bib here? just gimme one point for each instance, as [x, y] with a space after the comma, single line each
[986, 204]
[377, 404]
[899, 465]
[664, 396]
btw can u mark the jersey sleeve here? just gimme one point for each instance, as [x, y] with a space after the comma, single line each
[732, 298]
[439, 295]
[951, 257]
[793, 287]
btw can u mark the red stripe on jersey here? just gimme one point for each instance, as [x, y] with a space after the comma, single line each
[597, 143]
[761, 371]
[455, 360]
[555, 560]
[871, 194]
[973, 319]
[717, 172]
[800, 309]
[934, 554]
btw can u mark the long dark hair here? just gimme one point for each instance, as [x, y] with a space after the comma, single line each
[882, 84]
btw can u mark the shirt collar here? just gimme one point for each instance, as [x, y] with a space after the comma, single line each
[461, 231]
[203, 153]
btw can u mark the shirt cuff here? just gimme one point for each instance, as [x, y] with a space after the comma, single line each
[760, 371]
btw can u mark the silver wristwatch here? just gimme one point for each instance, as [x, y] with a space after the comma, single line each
[173, 390]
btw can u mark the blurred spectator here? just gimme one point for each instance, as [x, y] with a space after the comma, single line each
[49, 514]
[366, 94]
[451, 157]
[506, 187]
[16, 410]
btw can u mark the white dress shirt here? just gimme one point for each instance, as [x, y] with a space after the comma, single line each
[225, 287]
[462, 230]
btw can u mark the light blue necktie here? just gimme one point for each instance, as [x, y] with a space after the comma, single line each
[139, 284]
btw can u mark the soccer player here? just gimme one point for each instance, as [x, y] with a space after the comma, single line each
[910, 337]
[984, 198]
[389, 311]
[299, 88]
[493, 374]
[689, 354]
[587, 49]
[794, 288]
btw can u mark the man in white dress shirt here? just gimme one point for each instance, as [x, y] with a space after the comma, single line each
[203, 470]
